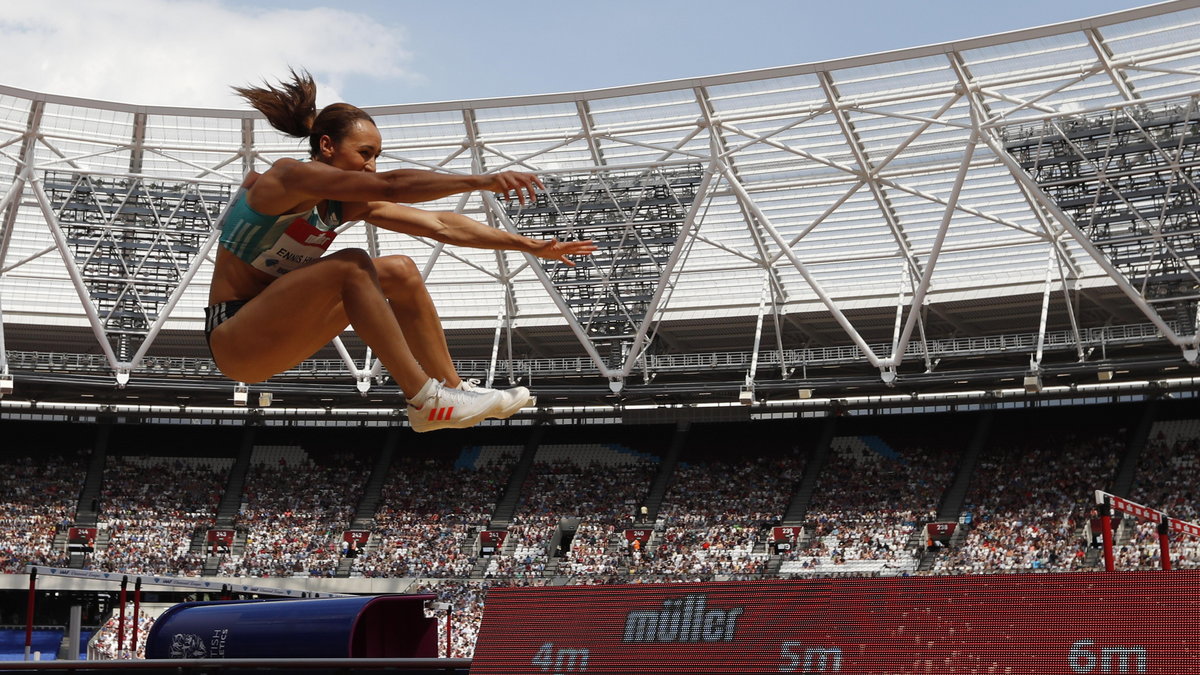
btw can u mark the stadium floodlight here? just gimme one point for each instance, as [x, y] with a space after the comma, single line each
[6, 384]
[1104, 375]
[1033, 383]
[264, 399]
[241, 394]
[746, 395]
[804, 393]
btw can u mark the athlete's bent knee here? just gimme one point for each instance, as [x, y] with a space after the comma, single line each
[356, 257]
[354, 265]
[397, 272]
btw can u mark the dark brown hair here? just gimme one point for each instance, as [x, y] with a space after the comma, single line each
[292, 108]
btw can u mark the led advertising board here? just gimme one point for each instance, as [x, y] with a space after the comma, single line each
[1018, 624]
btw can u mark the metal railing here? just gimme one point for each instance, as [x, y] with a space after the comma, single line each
[316, 369]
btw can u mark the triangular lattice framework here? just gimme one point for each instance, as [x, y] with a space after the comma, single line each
[1129, 181]
[635, 217]
[132, 241]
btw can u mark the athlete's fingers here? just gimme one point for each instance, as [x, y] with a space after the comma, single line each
[522, 185]
[525, 188]
[581, 247]
[531, 186]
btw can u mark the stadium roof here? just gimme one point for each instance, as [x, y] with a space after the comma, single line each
[830, 197]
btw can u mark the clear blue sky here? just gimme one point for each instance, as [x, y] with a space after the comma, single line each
[465, 51]
[374, 52]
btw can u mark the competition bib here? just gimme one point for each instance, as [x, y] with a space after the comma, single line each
[300, 244]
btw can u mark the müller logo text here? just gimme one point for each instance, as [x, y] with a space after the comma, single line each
[685, 619]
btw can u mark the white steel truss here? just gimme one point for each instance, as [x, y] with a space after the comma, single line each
[128, 253]
[1129, 174]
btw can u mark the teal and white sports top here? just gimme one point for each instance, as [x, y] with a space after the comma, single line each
[277, 244]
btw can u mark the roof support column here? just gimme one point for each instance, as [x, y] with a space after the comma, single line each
[748, 386]
[60, 242]
[889, 375]
[137, 147]
[935, 251]
[12, 203]
[990, 136]
[688, 226]
[247, 148]
[580, 334]
[720, 148]
[508, 309]
[869, 174]
[504, 321]
[362, 376]
[1102, 52]
[1035, 363]
[979, 112]
[816, 286]
[585, 121]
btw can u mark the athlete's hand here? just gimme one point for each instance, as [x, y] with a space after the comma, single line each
[554, 249]
[517, 184]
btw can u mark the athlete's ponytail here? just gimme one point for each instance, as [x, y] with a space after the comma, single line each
[292, 108]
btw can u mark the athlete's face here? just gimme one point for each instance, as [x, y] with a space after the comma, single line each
[357, 150]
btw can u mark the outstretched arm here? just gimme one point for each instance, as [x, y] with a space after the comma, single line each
[459, 230]
[290, 182]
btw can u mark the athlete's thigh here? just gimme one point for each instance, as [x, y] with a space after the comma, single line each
[286, 323]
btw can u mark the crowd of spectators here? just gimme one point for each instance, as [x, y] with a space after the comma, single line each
[1028, 509]
[1167, 481]
[465, 602]
[103, 644]
[717, 514]
[597, 548]
[600, 487]
[150, 525]
[529, 536]
[868, 505]
[428, 516]
[1030, 504]
[38, 496]
[295, 513]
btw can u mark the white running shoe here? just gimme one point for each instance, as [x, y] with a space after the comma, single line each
[515, 398]
[437, 406]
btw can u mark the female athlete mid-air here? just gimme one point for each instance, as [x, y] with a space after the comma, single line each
[277, 296]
